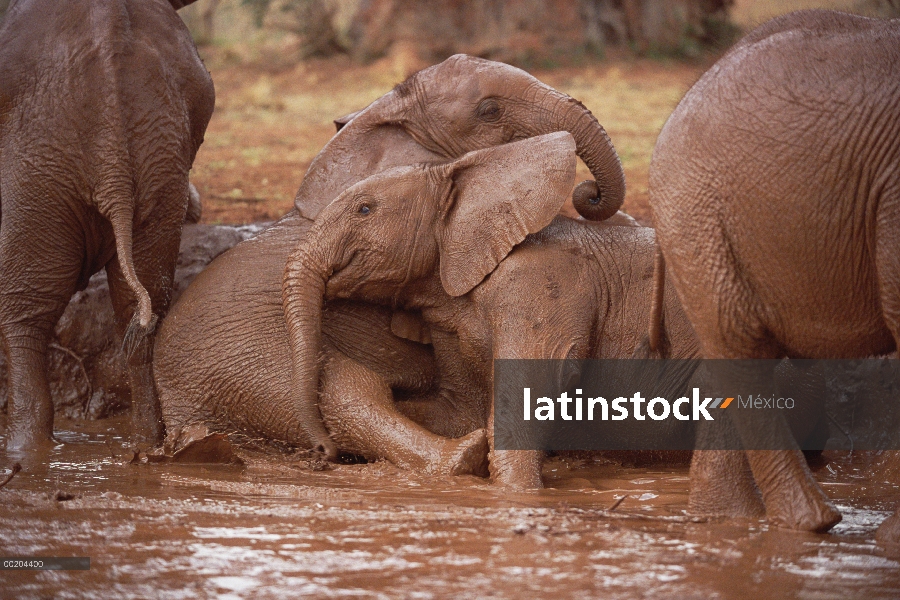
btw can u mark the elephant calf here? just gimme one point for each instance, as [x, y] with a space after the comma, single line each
[475, 246]
[247, 387]
[103, 105]
[438, 114]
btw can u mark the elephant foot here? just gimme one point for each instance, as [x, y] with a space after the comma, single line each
[800, 504]
[517, 469]
[463, 456]
[889, 531]
[817, 517]
[24, 440]
[722, 485]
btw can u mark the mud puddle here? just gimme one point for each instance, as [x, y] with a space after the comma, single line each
[275, 527]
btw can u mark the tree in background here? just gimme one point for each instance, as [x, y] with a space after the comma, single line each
[511, 30]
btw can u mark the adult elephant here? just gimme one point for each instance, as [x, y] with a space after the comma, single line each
[231, 316]
[103, 105]
[492, 273]
[775, 189]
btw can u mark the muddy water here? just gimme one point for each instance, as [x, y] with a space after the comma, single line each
[275, 528]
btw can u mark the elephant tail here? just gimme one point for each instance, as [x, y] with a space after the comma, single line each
[652, 343]
[144, 321]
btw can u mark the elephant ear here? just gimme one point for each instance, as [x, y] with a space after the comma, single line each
[176, 4]
[341, 121]
[496, 197]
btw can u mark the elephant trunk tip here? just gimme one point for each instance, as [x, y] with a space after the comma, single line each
[326, 448]
[592, 204]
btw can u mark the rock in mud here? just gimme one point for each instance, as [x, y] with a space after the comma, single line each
[194, 443]
[87, 367]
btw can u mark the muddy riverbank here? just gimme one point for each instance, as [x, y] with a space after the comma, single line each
[276, 527]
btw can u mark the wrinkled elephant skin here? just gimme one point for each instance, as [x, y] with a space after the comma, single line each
[103, 105]
[86, 364]
[775, 190]
[471, 103]
[492, 269]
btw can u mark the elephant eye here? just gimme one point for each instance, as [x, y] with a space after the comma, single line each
[364, 209]
[489, 110]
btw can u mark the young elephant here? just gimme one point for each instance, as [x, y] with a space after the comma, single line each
[247, 387]
[493, 274]
[440, 113]
[103, 105]
[775, 187]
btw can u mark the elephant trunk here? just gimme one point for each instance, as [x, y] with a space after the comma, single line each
[303, 294]
[594, 200]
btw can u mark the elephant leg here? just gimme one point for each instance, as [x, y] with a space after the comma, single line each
[888, 267]
[791, 495]
[37, 281]
[722, 484]
[358, 408]
[439, 413]
[520, 469]
[721, 480]
[155, 251]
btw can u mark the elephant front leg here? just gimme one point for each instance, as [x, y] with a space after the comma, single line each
[358, 408]
[518, 469]
[524, 333]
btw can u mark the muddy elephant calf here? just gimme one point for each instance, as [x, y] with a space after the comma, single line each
[798, 123]
[438, 114]
[363, 359]
[474, 245]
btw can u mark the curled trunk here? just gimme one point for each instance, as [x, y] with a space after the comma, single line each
[594, 200]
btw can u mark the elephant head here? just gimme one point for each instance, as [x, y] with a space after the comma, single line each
[462, 104]
[384, 239]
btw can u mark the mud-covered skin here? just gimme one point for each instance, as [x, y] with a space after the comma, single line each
[461, 104]
[247, 387]
[102, 109]
[86, 373]
[574, 290]
[775, 189]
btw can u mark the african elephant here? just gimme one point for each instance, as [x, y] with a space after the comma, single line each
[775, 189]
[473, 245]
[441, 112]
[103, 106]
